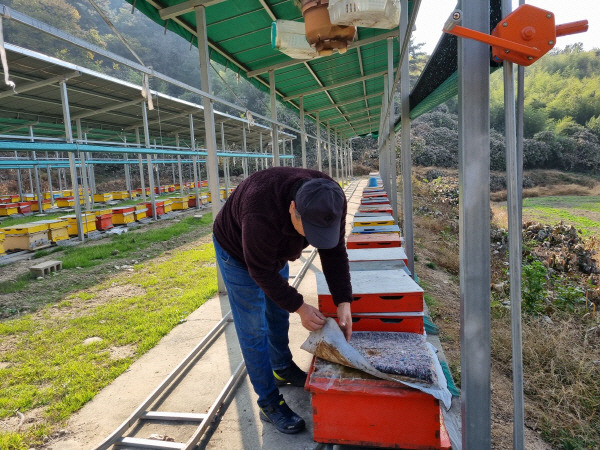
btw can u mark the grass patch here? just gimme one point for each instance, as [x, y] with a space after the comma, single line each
[11, 286]
[561, 378]
[47, 364]
[127, 244]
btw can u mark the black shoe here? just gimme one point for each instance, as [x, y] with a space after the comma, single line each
[284, 419]
[290, 375]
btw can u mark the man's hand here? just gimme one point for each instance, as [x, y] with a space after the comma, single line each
[312, 318]
[345, 319]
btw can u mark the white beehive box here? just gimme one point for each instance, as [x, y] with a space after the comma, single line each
[289, 37]
[365, 13]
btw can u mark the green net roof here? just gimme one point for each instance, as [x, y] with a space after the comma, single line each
[239, 34]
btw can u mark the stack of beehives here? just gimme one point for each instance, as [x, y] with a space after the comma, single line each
[352, 407]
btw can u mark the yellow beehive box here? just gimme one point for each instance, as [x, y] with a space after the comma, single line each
[65, 202]
[101, 212]
[120, 195]
[29, 197]
[168, 205]
[25, 228]
[25, 237]
[67, 193]
[2, 242]
[45, 205]
[15, 197]
[88, 221]
[123, 215]
[106, 197]
[46, 195]
[179, 203]
[57, 229]
[141, 211]
[7, 209]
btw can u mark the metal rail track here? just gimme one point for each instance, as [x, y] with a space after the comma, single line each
[142, 412]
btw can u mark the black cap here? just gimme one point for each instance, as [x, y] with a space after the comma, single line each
[320, 203]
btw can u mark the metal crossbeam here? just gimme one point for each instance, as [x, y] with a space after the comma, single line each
[39, 84]
[334, 86]
[107, 109]
[184, 8]
[349, 102]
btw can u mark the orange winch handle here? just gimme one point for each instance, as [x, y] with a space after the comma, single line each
[581, 26]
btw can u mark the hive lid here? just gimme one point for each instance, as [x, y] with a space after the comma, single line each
[376, 254]
[374, 282]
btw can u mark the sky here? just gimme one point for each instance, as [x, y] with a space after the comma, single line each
[433, 14]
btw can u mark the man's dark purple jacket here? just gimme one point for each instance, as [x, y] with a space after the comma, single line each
[254, 226]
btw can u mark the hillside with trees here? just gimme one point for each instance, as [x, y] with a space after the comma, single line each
[561, 118]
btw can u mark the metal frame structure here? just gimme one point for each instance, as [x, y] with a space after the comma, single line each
[357, 104]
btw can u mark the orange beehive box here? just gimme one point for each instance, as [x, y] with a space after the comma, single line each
[397, 322]
[374, 240]
[375, 291]
[351, 407]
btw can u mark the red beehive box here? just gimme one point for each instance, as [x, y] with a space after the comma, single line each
[353, 408]
[160, 207]
[397, 322]
[373, 240]
[24, 207]
[375, 291]
[104, 221]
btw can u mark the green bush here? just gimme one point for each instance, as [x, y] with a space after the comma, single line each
[534, 290]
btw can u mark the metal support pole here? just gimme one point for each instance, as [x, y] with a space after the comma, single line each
[19, 181]
[337, 157]
[83, 169]
[302, 131]
[260, 143]
[50, 190]
[194, 162]
[149, 160]
[209, 120]
[140, 165]
[514, 209]
[60, 183]
[245, 148]
[393, 193]
[405, 157]
[127, 173]
[69, 138]
[342, 162]
[329, 149]
[384, 156]
[225, 162]
[274, 131]
[38, 190]
[474, 226]
[318, 132]
[179, 166]
[155, 168]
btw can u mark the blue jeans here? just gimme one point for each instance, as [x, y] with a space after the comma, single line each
[261, 325]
